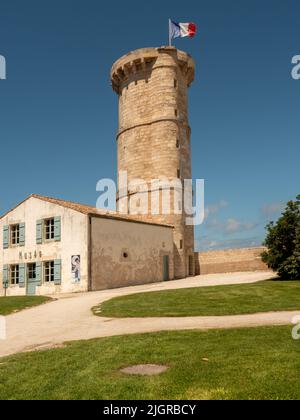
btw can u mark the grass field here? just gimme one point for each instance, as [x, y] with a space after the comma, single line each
[272, 295]
[9, 305]
[258, 363]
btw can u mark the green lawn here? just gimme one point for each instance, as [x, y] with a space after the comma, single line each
[12, 304]
[258, 363]
[272, 295]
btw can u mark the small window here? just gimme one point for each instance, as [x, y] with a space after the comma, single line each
[175, 83]
[14, 275]
[49, 229]
[176, 113]
[181, 244]
[15, 234]
[178, 143]
[125, 255]
[49, 271]
[32, 271]
[178, 173]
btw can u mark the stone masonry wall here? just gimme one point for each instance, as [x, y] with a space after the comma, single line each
[230, 261]
[154, 133]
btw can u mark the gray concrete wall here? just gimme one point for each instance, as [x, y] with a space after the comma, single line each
[145, 246]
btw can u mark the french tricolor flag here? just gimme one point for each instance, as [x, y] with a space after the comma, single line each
[181, 30]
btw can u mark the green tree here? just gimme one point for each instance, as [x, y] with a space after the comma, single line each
[283, 243]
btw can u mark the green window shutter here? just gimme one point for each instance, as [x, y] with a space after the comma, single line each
[22, 234]
[57, 272]
[39, 232]
[57, 229]
[39, 273]
[5, 237]
[5, 279]
[22, 275]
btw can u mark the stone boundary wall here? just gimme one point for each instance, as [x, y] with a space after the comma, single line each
[230, 261]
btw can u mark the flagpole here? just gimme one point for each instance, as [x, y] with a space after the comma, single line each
[170, 33]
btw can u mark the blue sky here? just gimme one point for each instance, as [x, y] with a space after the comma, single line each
[58, 114]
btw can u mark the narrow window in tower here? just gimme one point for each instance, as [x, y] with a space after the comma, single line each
[181, 244]
[177, 143]
[176, 113]
[188, 134]
[175, 83]
[178, 173]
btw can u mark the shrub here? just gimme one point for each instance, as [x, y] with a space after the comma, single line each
[283, 243]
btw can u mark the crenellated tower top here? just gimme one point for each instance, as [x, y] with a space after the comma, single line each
[141, 61]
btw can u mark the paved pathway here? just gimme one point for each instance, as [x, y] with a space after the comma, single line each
[70, 317]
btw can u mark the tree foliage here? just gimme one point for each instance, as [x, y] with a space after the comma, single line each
[283, 243]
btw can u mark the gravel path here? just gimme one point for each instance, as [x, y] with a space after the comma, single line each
[70, 318]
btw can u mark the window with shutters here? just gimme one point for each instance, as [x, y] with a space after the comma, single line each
[49, 271]
[14, 275]
[49, 229]
[15, 234]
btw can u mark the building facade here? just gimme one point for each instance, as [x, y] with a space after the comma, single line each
[51, 246]
[154, 136]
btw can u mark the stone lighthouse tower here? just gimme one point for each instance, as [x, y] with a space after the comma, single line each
[154, 133]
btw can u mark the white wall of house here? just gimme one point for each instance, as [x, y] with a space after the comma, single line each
[74, 241]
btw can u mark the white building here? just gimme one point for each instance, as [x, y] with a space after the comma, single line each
[53, 246]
